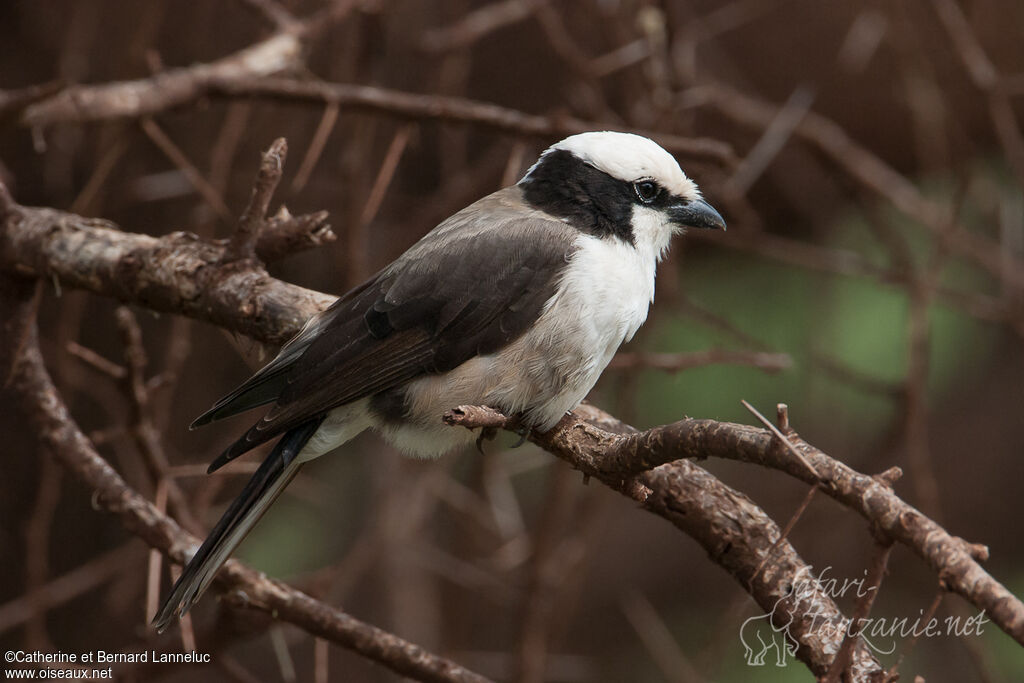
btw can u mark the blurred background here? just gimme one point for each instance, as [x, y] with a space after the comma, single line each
[876, 239]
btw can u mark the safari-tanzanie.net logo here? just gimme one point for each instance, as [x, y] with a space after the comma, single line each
[770, 636]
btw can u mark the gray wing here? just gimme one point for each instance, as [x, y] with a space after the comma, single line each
[467, 288]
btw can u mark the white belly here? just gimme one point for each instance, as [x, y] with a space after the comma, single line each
[604, 297]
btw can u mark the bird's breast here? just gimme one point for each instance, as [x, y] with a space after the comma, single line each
[601, 300]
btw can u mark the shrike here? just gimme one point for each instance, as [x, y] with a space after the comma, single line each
[517, 302]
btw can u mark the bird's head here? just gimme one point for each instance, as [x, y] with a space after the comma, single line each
[618, 186]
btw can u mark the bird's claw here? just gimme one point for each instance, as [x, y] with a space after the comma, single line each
[524, 433]
[486, 434]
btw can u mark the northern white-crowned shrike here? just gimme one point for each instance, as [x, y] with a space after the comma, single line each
[517, 302]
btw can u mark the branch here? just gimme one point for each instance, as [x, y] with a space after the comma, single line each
[477, 24]
[175, 273]
[285, 234]
[171, 88]
[437, 107]
[584, 439]
[737, 534]
[243, 242]
[248, 73]
[58, 433]
[13, 102]
[174, 87]
[986, 78]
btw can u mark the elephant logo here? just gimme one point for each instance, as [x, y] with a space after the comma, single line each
[759, 635]
[765, 632]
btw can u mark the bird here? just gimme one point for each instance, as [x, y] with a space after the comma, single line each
[517, 302]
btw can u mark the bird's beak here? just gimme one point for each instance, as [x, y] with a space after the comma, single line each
[696, 214]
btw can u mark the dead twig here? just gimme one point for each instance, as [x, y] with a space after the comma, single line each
[316, 147]
[285, 234]
[170, 88]
[986, 78]
[167, 89]
[273, 12]
[435, 107]
[783, 439]
[242, 245]
[67, 587]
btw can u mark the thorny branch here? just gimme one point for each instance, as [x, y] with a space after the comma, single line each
[584, 440]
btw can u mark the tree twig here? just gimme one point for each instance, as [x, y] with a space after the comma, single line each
[416, 106]
[242, 245]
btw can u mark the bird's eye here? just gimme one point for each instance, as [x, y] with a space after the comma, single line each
[646, 190]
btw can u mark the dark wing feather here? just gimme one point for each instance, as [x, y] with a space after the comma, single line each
[465, 289]
[267, 383]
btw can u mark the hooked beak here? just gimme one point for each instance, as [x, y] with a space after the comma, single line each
[696, 214]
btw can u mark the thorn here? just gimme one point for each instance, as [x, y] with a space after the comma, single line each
[782, 416]
[785, 442]
[889, 477]
[978, 551]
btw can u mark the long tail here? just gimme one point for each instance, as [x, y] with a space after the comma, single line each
[263, 488]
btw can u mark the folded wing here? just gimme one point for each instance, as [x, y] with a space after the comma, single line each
[467, 288]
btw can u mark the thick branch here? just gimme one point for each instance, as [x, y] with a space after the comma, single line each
[60, 435]
[176, 273]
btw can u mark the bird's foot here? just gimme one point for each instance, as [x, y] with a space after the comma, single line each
[486, 434]
[524, 433]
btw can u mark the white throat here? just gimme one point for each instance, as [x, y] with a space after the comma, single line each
[653, 234]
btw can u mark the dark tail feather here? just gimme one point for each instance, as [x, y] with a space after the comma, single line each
[262, 489]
